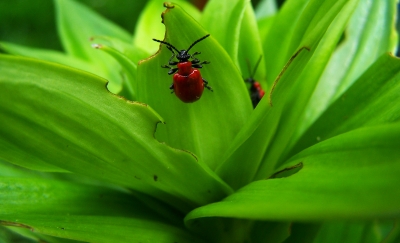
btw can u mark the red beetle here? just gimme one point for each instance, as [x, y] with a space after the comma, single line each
[256, 91]
[188, 84]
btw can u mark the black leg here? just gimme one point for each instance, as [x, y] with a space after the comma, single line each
[199, 65]
[195, 60]
[172, 70]
[206, 85]
[194, 54]
[172, 63]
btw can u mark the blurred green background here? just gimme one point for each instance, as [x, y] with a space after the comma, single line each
[32, 22]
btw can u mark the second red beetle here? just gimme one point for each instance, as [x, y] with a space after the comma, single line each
[188, 83]
[256, 91]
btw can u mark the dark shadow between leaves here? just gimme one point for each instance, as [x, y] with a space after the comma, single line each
[287, 171]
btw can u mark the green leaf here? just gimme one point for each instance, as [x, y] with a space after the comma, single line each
[62, 58]
[264, 28]
[229, 15]
[271, 125]
[6, 236]
[11, 170]
[148, 25]
[281, 31]
[351, 176]
[207, 126]
[394, 235]
[28, 235]
[129, 68]
[55, 118]
[331, 26]
[353, 232]
[84, 213]
[250, 47]
[243, 157]
[369, 35]
[49, 55]
[340, 232]
[237, 32]
[372, 100]
[133, 52]
[77, 25]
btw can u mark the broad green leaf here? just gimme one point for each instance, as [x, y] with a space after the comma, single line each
[223, 19]
[237, 32]
[51, 56]
[77, 25]
[11, 170]
[281, 31]
[250, 48]
[207, 126]
[264, 25]
[394, 235]
[246, 151]
[59, 57]
[29, 236]
[380, 25]
[369, 35]
[55, 117]
[85, 213]
[297, 97]
[149, 26]
[373, 99]
[246, 156]
[7, 236]
[351, 176]
[350, 232]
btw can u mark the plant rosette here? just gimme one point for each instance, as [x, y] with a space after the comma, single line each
[95, 148]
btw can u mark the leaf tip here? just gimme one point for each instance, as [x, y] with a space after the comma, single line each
[169, 5]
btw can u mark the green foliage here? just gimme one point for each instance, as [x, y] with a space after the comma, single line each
[95, 148]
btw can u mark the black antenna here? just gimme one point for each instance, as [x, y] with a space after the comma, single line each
[166, 43]
[194, 43]
[255, 67]
[248, 68]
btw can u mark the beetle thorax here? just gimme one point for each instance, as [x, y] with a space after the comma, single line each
[185, 68]
[183, 56]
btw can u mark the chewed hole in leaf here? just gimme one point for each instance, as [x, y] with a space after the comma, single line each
[287, 171]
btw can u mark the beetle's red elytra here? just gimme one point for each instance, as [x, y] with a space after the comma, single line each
[256, 91]
[188, 84]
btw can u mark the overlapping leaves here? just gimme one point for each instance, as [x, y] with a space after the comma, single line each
[60, 119]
